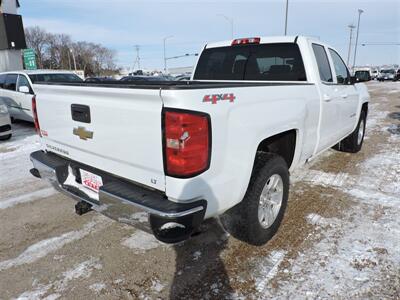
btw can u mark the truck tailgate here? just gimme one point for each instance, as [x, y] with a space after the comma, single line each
[123, 136]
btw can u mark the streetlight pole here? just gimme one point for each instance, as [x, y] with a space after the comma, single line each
[351, 26]
[286, 16]
[230, 20]
[165, 57]
[360, 11]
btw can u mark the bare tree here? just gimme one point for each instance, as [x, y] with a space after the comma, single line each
[38, 39]
[54, 52]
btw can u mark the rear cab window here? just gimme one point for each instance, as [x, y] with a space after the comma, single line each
[324, 68]
[260, 62]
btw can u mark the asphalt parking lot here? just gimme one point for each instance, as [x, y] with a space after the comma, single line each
[340, 237]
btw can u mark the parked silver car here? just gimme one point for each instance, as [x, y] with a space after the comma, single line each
[5, 122]
[388, 74]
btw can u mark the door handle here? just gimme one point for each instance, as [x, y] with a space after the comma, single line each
[327, 98]
[344, 96]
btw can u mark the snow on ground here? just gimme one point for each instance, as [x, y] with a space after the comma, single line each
[141, 241]
[357, 253]
[43, 193]
[268, 270]
[47, 246]
[80, 271]
[157, 286]
[97, 287]
[15, 164]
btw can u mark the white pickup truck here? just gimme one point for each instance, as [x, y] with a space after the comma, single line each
[221, 144]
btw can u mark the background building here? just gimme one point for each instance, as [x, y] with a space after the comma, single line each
[12, 37]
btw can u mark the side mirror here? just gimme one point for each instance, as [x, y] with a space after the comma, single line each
[24, 89]
[353, 79]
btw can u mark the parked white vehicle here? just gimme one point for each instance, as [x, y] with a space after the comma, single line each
[16, 89]
[221, 144]
[5, 122]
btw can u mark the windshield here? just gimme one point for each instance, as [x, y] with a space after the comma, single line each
[280, 61]
[59, 77]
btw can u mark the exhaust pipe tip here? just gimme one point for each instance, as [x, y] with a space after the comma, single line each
[35, 172]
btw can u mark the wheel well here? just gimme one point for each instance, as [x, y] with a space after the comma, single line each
[283, 144]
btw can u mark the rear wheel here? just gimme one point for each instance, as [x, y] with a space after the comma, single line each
[256, 219]
[354, 141]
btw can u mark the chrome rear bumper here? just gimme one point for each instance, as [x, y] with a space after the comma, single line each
[121, 200]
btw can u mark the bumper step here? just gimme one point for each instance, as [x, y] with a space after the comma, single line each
[122, 200]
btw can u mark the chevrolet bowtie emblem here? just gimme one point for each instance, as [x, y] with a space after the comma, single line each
[83, 133]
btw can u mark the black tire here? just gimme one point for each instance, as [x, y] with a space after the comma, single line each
[352, 144]
[5, 137]
[242, 221]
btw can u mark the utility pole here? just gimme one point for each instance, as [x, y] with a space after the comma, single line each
[231, 22]
[360, 11]
[165, 57]
[137, 60]
[351, 26]
[286, 16]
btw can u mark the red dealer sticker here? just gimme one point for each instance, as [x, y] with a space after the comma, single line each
[219, 97]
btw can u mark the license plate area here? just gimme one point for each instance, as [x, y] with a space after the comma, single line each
[90, 180]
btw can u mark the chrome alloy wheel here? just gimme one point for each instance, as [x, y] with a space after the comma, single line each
[360, 132]
[270, 201]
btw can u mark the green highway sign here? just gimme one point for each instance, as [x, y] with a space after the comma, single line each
[30, 59]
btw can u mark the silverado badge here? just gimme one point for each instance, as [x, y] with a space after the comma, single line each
[83, 133]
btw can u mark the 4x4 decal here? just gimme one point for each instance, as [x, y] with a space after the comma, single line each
[219, 97]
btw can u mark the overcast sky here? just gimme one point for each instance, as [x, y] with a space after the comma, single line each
[121, 24]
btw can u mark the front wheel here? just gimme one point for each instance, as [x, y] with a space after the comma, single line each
[354, 141]
[256, 219]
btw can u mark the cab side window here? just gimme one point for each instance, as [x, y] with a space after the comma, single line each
[11, 82]
[324, 68]
[2, 80]
[23, 81]
[342, 74]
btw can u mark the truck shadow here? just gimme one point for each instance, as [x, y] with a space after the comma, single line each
[200, 271]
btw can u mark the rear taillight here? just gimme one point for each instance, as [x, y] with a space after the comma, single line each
[187, 143]
[35, 116]
[245, 41]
